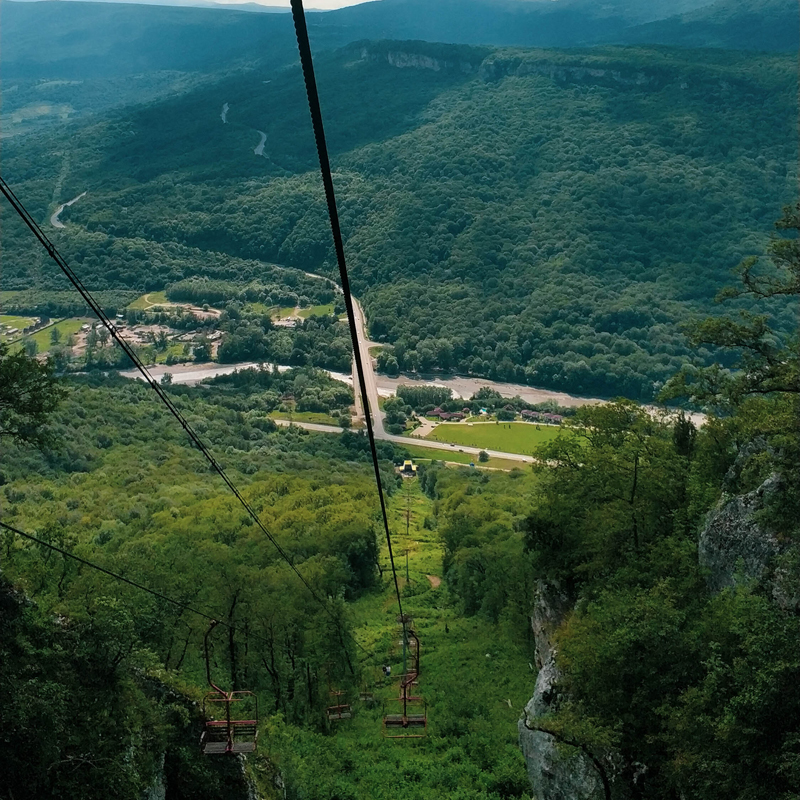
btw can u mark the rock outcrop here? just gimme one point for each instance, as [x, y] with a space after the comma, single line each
[430, 57]
[735, 545]
[555, 772]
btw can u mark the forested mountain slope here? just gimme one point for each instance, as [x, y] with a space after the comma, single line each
[734, 24]
[538, 216]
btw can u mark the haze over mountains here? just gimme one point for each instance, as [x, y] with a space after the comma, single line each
[83, 40]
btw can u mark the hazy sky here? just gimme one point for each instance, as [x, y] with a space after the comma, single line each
[320, 4]
[327, 4]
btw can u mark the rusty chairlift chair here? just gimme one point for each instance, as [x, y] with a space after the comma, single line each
[412, 722]
[339, 710]
[236, 733]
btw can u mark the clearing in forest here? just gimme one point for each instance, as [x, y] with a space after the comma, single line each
[147, 301]
[509, 437]
[475, 677]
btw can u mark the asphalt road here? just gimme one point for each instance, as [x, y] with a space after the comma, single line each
[369, 373]
[54, 219]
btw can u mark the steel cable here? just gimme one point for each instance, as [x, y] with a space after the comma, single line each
[307, 65]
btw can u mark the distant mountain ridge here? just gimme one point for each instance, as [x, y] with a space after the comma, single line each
[76, 40]
[731, 24]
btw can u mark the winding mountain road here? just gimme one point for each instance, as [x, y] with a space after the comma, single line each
[54, 219]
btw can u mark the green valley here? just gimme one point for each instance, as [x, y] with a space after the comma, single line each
[538, 217]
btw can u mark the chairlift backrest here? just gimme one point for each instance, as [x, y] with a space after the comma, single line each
[238, 731]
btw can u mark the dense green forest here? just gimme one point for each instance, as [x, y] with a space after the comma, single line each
[533, 216]
[699, 686]
[677, 663]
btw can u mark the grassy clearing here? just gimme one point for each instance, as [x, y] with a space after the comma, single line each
[259, 308]
[305, 416]
[283, 312]
[511, 437]
[147, 301]
[176, 351]
[475, 679]
[14, 322]
[427, 454]
[65, 328]
[316, 311]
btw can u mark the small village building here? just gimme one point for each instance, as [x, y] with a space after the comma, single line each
[409, 469]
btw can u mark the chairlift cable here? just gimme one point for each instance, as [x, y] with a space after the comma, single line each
[307, 65]
[115, 575]
[216, 619]
[157, 388]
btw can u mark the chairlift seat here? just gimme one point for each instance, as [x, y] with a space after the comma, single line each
[335, 713]
[407, 721]
[232, 734]
[237, 737]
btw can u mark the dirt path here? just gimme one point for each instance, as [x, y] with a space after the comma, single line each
[435, 580]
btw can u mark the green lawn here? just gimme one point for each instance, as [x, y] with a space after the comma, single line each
[317, 311]
[511, 437]
[65, 328]
[176, 350]
[149, 300]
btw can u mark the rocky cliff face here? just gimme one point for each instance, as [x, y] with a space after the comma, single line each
[734, 545]
[555, 773]
[404, 59]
